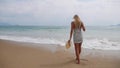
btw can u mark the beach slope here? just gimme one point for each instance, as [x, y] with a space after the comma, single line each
[27, 55]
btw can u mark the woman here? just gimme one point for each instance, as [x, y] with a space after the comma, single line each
[76, 27]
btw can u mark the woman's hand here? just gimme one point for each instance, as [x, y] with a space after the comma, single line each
[83, 27]
[69, 41]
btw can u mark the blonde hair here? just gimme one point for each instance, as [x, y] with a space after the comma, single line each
[77, 21]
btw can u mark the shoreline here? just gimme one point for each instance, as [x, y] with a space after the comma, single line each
[30, 55]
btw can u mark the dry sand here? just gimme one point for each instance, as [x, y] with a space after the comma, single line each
[28, 55]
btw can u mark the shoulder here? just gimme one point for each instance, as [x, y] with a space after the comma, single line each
[82, 23]
[72, 24]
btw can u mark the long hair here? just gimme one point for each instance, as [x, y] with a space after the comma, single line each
[77, 21]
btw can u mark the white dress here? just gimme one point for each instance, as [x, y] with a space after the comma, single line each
[77, 35]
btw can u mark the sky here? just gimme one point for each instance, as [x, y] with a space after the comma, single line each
[59, 12]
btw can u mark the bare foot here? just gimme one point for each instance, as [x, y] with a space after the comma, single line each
[77, 61]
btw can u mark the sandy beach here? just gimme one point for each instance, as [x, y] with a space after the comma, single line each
[28, 55]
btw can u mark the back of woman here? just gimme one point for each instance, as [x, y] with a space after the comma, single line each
[76, 27]
[77, 35]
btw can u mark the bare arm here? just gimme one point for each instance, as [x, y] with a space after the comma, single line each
[83, 27]
[71, 31]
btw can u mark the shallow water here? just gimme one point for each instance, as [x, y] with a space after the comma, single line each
[95, 37]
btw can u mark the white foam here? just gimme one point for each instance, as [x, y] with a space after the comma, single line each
[103, 44]
[32, 40]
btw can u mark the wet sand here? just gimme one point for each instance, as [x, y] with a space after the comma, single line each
[28, 55]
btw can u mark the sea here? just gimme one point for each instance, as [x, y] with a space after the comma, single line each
[95, 37]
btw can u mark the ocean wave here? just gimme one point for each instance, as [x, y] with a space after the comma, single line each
[31, 40]
[102, 44]
[93, 43]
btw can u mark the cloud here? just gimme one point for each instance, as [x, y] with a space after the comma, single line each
[59, 12]
[100, 12]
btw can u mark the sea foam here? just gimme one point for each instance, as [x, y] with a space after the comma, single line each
[94, 43]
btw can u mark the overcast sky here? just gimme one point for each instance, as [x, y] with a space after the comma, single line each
[59, 12]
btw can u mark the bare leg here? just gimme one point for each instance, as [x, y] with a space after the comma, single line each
[80, 47]
[77, 52]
